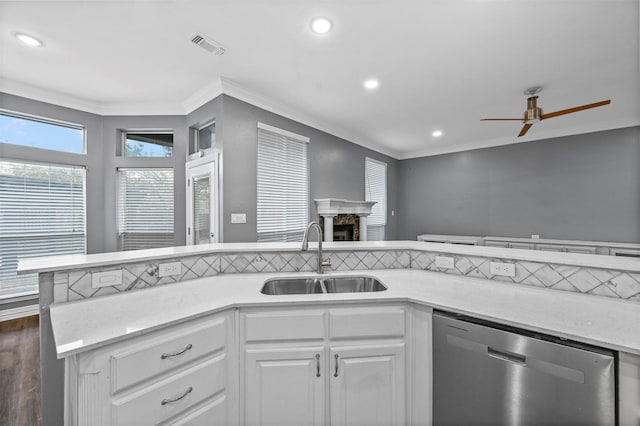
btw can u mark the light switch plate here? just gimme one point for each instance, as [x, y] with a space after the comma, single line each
[169, 269]
[106, 278]
[502, 269]
[238, 218]
[445, 262]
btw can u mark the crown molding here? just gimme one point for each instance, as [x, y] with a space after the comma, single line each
[233, 89]
[85, 105]
[541, 135]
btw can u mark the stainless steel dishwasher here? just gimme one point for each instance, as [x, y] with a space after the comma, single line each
[487, 374]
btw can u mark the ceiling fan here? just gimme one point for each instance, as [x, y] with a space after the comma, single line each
[534, 112]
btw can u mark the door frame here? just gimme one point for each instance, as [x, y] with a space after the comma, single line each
[207, 164]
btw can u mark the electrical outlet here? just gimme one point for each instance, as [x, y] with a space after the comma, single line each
[105, 279]
[502, 269]
[444, 262]
[238, 218]
[535, 236]
[169, 269]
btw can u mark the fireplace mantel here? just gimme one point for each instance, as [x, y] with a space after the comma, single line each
[330, 207]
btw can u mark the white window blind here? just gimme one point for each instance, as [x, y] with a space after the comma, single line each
[283, 185]
[145, 210]
[375, 182]
[42, 213]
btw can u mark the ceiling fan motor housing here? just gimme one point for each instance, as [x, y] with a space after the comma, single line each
[533, 112]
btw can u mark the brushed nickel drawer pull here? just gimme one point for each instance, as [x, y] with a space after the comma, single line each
[317, 365]
[168, 401]
[335, 374]
[186, 348]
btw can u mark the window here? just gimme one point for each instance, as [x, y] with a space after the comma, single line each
[375, 182]
[283, 185]
[39, 133]
[145, 208]
[148, 144]
[206, 137]
[42, 213]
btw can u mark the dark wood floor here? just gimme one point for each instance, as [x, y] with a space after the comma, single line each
[20, 372]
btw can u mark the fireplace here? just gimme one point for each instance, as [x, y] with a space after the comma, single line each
[343, 220]
[346, 227]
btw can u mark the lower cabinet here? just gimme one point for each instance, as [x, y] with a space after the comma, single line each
[348, 370]
[285, 386]
[180, 375]
[367, 385]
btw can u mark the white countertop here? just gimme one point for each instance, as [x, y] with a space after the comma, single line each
[62, 263]
[607, 322]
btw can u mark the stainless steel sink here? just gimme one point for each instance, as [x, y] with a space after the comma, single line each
[292, 286]
[318, 285]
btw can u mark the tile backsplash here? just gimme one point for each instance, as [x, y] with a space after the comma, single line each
[76, 284]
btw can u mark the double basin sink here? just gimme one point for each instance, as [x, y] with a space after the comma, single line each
[320, 285]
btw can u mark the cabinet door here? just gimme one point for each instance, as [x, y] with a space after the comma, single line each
[285, 386]
[368, 385]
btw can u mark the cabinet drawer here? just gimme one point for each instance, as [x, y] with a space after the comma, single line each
[548, 247]
[580, 249]
[179, 392]
[165, 351]
[522, 246]
[370, 322]
[501, 244]
[212, 414]
[287, 325]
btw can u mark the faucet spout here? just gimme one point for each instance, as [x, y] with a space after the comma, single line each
[305, 245]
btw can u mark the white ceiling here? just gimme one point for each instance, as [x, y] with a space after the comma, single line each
[441, 64]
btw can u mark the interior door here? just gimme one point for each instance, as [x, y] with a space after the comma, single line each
[202, 201]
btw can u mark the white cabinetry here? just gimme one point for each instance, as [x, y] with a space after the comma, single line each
[311, 367]
[285, 386]
[180, 375]
[367, 385]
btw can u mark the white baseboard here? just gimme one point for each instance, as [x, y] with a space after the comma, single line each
[22, 311]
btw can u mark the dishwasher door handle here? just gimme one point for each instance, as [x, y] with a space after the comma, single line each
[507, 356]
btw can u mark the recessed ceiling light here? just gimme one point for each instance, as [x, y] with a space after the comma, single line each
[321, 25]
[436, 133]
[371, 84]
[28, 40]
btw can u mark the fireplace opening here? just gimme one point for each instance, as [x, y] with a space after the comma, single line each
[343, 232]
[346, 227]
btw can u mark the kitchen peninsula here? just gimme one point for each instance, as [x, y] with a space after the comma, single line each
[585, 298]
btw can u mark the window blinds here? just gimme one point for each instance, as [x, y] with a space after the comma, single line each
[283, 185]
[376, 190]
[42, 213]
[145, 210]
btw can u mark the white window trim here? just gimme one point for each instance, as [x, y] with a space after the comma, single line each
[297, 138]
[283, 132]
[52, 121]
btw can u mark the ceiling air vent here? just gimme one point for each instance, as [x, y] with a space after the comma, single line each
[209, 45]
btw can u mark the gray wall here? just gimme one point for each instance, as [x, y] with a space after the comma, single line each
[584, 187]
[336, 165]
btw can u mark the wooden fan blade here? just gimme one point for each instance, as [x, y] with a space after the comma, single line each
[501, 119]
[575, 109]
[525, 129]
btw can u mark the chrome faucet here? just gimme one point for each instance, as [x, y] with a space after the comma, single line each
[305, 245]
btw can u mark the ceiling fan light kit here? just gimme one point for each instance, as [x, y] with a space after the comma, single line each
[535, 114]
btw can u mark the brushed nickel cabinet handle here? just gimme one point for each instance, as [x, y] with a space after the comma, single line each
[169, 401]
[186, 348]
[317, 365]
[335, 374]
